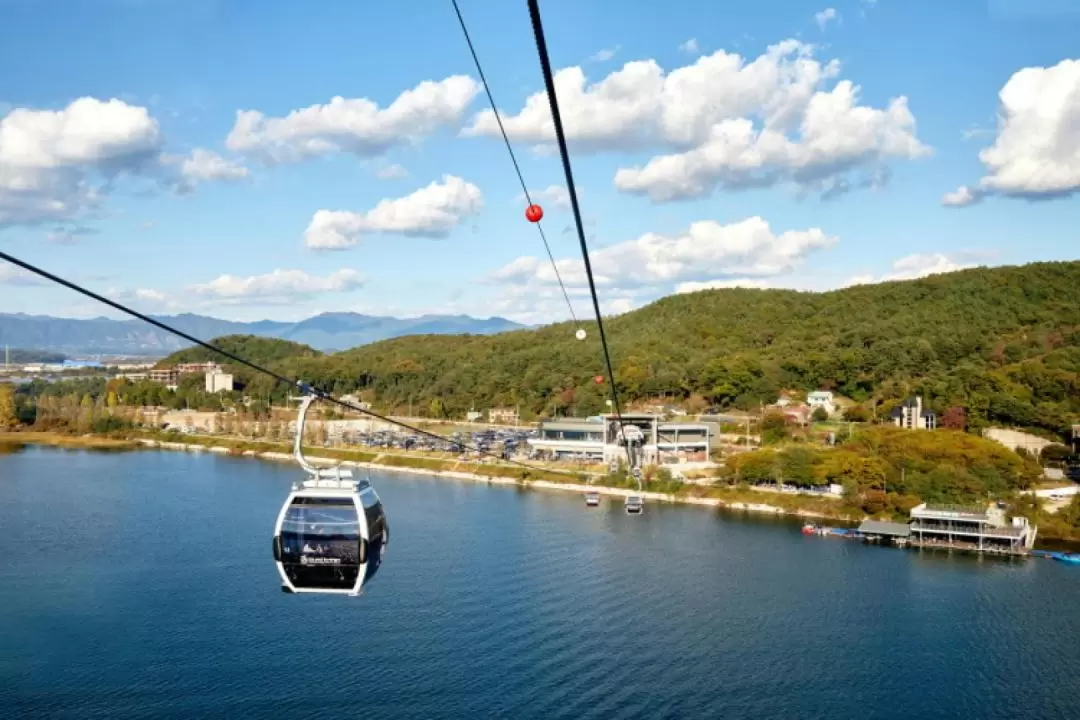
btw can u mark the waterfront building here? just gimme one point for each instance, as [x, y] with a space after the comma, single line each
[970, 528]
[596, 439]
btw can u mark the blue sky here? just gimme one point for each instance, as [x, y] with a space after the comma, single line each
[702, 169]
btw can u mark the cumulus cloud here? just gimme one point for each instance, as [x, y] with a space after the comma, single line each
[961, 197]
[206, 165]
[353, 125]
[54, 163]
[822, 18]
[551, 196]
[57, 165]
[694, 286]
[706, 251]
[392, 172]
[278, 286]
[731, 123]
[1036, 153]
[432, 211]
[915, 266]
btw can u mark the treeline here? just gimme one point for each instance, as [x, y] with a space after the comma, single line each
[890, 468]
[995, 346]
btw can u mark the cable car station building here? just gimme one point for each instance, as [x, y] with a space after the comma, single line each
[596, 439]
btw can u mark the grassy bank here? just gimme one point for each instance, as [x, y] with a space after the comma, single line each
[81, 442]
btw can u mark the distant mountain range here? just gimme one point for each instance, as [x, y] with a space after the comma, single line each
[327, 332]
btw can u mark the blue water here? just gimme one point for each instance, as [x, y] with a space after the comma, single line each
[142, 585]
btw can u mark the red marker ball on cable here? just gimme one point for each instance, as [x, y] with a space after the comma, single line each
[534, 213]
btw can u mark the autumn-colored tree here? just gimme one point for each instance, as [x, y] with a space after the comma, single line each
[954, 418]
[9, 418]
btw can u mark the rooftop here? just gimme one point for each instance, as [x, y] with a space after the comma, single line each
[878, 527]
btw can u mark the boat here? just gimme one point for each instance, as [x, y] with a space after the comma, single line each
[592, 498]
[635, 505]
[809, 529]
[1067, 557]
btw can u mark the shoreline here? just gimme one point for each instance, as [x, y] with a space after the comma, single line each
[283, 457]
[94, 442]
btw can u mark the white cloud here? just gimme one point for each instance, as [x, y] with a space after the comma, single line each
[604, 55]
[707, 250]
[206, 165]
[1036, 153]
[57, 165]
[961, 197]
[836, 137]
[690, 46]
[694, 286]
[14, 275]
[279, 285]
[915, 266]
[354, 125]
[732, 123]
[432, 211]
[553, 195]
[392, 172]
[54, 163]
[142, 299]
[822, 18]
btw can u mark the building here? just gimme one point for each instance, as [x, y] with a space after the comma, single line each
[821, 399]
[799, 414]
[597, 439]
[967, 528]
[132, 376]
[169, 377]
[195, 368]
[503, 416]
[1017, 440]
[912, 415]
[219, 382]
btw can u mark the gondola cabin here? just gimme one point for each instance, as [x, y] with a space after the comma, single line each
[635, 504]
[331, 535]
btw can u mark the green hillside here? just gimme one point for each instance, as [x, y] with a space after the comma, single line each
[1003, 343]
[260, 350]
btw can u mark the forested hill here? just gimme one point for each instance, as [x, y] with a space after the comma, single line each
[1003, 343]
[259, 350]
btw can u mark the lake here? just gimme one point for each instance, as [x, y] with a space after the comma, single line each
[142, 584]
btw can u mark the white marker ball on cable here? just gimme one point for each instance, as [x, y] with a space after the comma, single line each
[580, 334]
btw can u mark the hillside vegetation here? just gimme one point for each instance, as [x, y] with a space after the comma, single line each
[259, 350]
[1001, 343]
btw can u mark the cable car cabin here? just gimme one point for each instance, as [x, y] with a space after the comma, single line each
[635, 505]
[331, 535]
[592, 498]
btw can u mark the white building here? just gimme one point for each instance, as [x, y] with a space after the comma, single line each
[219, 382]
[596, 439]
[821, 399]
[912, 415]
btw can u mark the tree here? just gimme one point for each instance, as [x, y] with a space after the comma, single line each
[8, 415]
[954, 418]
[820, 414]
[857, 413]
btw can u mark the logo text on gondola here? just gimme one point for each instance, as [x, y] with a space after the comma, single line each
[305, 560]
